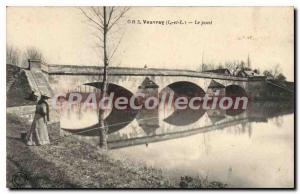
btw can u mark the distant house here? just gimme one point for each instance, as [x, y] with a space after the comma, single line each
[215, 89]
[223, 71]
[246, 73]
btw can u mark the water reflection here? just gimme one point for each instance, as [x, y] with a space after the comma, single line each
[184, 117]
[127, 125]
[148, 121]
[250, 148]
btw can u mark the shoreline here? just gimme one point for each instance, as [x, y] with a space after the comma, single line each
[68, 163]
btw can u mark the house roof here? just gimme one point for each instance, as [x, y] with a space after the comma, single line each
[248, 73]
[221, 71]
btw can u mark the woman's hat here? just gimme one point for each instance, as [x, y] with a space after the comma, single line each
[45, 96]
[33, 93]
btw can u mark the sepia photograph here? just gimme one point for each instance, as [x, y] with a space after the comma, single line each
[150, 97]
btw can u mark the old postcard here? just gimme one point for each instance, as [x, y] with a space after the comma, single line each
[150, 97]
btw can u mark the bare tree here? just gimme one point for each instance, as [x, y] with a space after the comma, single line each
[235, 66]
[12, 55]
[103, 20]
[232, 67]
[274, 73]
[31, 53]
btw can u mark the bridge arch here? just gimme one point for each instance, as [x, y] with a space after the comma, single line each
[184, 88]
[112, 87]
[94, 87]
[235, 91]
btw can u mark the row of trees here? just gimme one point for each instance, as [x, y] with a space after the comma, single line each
[20, 58]
[275, 74]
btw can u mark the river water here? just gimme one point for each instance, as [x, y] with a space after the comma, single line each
[252, 148]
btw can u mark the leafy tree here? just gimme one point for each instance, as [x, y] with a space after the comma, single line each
[281, 77]
[275, 74]
[268, 74]
[256, 71]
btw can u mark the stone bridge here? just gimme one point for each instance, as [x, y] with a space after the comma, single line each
[64, 78]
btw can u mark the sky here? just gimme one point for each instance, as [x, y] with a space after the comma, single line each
[64, 37]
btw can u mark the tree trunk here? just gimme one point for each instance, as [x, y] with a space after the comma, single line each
[102, 127]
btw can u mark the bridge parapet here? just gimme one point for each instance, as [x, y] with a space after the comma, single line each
[94, 70]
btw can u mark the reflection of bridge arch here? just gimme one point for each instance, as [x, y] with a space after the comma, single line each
[259, 112]
[184, 117]
[116, 119]
[173, 135]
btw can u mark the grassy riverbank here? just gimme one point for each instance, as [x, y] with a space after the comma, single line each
[68, 163]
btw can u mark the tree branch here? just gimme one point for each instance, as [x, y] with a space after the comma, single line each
[103, 19]
[117, 46]
[91, 19]
[122, 13]
[110, 15]
[99, 14]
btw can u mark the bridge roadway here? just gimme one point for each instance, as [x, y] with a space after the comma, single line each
[64, 78]
[128, 71]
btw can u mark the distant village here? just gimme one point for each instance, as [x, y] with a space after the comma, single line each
[243, 69]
